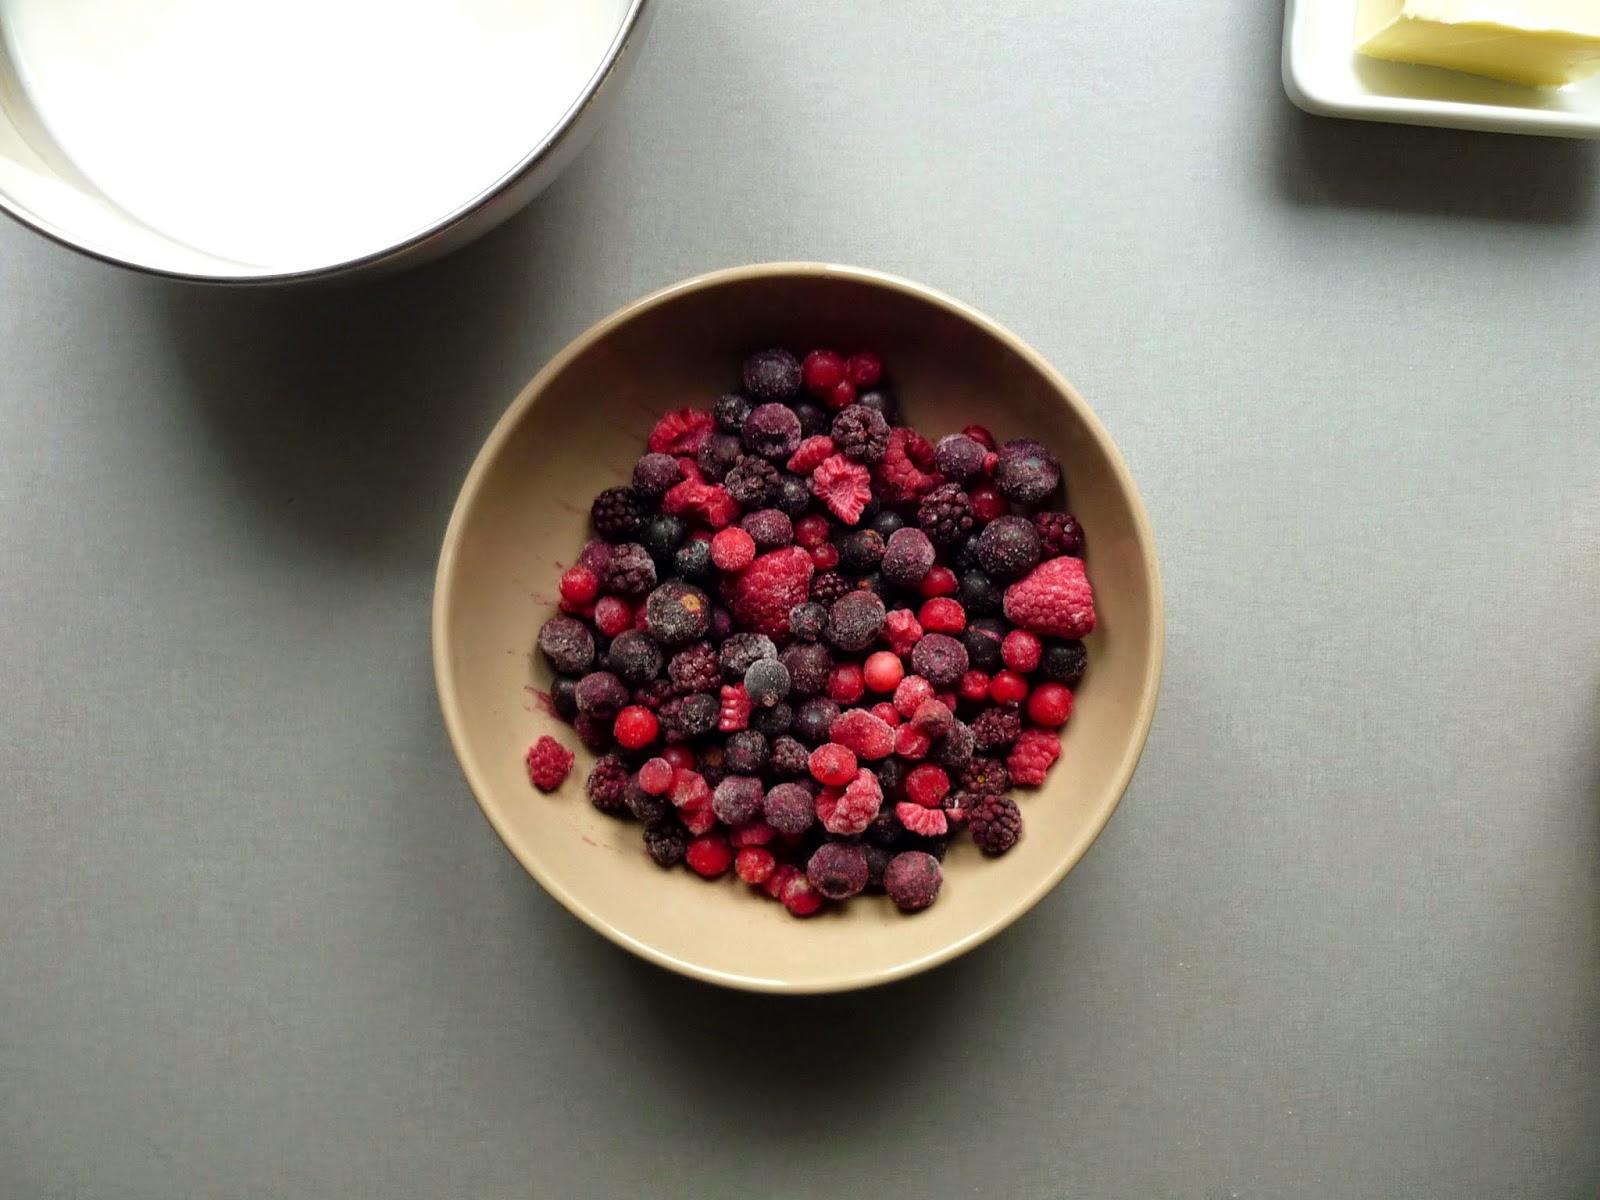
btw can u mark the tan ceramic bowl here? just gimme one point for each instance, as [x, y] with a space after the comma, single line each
[522, 515]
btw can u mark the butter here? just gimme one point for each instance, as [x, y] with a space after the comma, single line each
[1544, 43]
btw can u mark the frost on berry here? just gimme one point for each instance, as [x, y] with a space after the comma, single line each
[926, 822]
[681, 432]
[1032, 755]
[844, 486]
[850, 811]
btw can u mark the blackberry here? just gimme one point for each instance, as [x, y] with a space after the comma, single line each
[772, 720]
[766, 682]
[685, 718]
[615, 514]
[908, 557]
[661, 537]
[677, 613]
[564, 697]
[737, 799]
[1059, 533]
[793, 497]
[634, 657]
[739, 650]
[751, 481]
[717, 454]
[808, 620]
[630, 571]
[655, 693]
[745, 752]
[1064, 662]
[814, 719]
[861, 434]
[600, 695]
[692, 561]
[730, 411]
[945, 514]
[772, 431]
[996, 728]
[787, 757]
[959, 457]
[770, 528]
[1008, 547]
[1026, 473]
[979, 594]
[985, 776]
[665, 842]
[855, 620]
[861, 551]
[881, 401]
[607, 786]
[996, 824]
[813, 418]
[939, 659]
[954, 750]
[770, 375]
[982, 639]
[567, 645]
[886, 522]
[645, 807]
[695, 669]
[654, 475]
[809, 665]
[828, 586]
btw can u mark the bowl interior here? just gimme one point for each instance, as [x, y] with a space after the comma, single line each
[522, 518]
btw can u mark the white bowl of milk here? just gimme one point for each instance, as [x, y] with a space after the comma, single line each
[272, 140]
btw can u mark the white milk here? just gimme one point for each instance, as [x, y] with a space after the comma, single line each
[287, 133]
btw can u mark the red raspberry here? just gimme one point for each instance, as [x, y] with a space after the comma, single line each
[974, 687]
[822, 371]
[941, 615]
[799, 897]
[655, 777]
[736, 707]
[763, 593]
[909, 742]
[939, 581]
[681, 758]
[927, 785]
[825, 557]
[635, 727]
[809, 454]
[980, 435]
[613, 615]
[902, 630]
[1007, 687]
[708, 856]
[864, 369]
[899, 477]
[1053, 600]
[913, 690]
[887, 713]
[579, 585]
[811, 530]
[833, 765]
[681, 432]
[843, 395]
[844, 486]
[884, 671]
[868, 736]
[1032, 755]
[1050, 705]
[849, 812]
[733, 549]
[987, 502]
[756, 833]
[779, 878]
[754, 865]
[548, 763]
[846, 684]
[1021, 651]
[926, 822]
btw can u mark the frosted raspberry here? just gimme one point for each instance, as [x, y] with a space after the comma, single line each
[808, 456]
[708, 501]
[1032, 756]
[849, 812]
[911, 694]
[548, 763]
[903, 630]
[762, 595]
[868, 736]
[926, 822]
[900, 476]
[1053, 600]
[844, 486]
[736, 708]
[681, 432]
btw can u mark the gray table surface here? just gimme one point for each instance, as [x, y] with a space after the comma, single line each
[1343, 936]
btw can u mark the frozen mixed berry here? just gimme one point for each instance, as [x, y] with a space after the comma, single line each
[855, 620]
[902, 476]
[734, 708]
[694, 669]
[996, 824]
[608, 784]
[939, 581]
[1026, 472]
[879, 400]
[564, 697]
[907, 557]
[793, 496]
[756, 833]
[911, 743]
[740, 650]
[825, 556]
[886, 522]
[685, 718]
[752, 480]
[942, 615]
[923, 821]
[595, 554]
[813, 720]
[548, 763]
[813, 418]
[745, 752]
[643, 806]
[709, 856]
[601, 695]
[828, 586]
[655, 776]
[1064, 662]
[988, 503]
[1059, 533]
[616, 515]
[594, 732]
[933, 718]
[1021, 651]
[677, 613]
[838, 870]
[822, 371]
[733, 549]
[861, 551]
[729, 412]
[861, 434]
[737, 799]
[1050, 705]
[945, 514]
[799, 897]
[772, 431]
[865, 735]
[1008, 547]
[787, 757]
[661, 537]
[1007, 687]
[995, 729]
[848, 812]
[910, 695]
[665, 841]
[883, 671]
[706, 502]
[754, 864]
[810, 454]
[954, 750]
[635, 727]
[985, 776]
[940, 659]
[810, 667]
[902, 630]
[635, 657]
[567, 645]
[770, 528]
[771, 375]
[833, 765]
[772, 719]
[912, 880]
[680, 432]
[959, 457]
[790, 808]
[843, 486]
[767, 682]
[762, 595]
[579, 585]
[654, 475]
[926, 785]
[808, 621]
[1030, 760]
[846, 683]
[718, 454]
[1054, 600]
[692, 561]
[985, 643]
[630, 571]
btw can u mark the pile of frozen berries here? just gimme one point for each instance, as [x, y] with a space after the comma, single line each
[809, 645]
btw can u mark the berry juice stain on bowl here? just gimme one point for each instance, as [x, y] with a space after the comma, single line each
[283, 136]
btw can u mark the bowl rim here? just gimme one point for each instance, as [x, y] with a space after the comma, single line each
[444, 599]
[547, 144]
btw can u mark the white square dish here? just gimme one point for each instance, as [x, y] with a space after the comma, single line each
[1323, 74]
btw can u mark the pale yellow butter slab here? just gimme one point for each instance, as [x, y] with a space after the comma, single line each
[1542, 43]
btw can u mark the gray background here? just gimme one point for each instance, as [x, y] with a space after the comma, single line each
[1342, 938]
